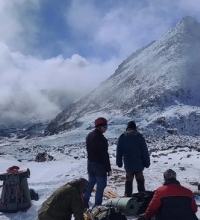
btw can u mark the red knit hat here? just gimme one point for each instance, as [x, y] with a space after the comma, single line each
[100, 121]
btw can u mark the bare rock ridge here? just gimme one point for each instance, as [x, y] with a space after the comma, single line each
[158, 86]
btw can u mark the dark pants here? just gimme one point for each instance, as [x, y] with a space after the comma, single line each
[97, 175]
[129, 183]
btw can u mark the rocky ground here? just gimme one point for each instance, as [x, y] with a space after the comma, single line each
[180, 153]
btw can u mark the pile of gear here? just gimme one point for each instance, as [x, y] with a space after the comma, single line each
[119, 208]
[104, 213]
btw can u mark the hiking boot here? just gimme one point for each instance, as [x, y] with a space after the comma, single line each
[128, 188]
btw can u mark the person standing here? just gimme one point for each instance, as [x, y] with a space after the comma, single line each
[98, 165]
[171, 201]
[65, 201]
[132, 150]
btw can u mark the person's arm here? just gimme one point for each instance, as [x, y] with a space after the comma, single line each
[145, 153]
[193, 204]
[105, 155]
[153, 206]
[77, 206]
[119, 153]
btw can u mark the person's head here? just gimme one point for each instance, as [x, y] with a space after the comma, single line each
[101, 124]
[169, 174]
[131, 126]
[81, 184]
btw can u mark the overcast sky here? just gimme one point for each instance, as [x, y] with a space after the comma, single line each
[54, 52]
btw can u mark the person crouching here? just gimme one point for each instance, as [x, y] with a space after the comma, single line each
[64, 202]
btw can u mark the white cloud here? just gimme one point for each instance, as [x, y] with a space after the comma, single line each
[189, 7]
[36, 87]
[33, 87]
[129, 25]
[16, 28]
[83, 16]
[79, 61]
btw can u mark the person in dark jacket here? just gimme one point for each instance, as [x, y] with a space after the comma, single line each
[132, 150]
[64, 202]
[171, 201]
[98, 161]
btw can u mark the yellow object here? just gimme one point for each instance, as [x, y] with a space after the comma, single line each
[95, 211]
[88, 215]
[85, 216]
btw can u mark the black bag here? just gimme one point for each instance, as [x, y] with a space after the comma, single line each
[143, 198]
[110, 213]
[34, 195]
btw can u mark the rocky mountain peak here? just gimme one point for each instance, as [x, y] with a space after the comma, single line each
[188, 21]
[157, 86]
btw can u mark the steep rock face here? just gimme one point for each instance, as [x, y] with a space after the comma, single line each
[160, 78]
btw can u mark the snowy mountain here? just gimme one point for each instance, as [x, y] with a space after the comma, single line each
[157, 86]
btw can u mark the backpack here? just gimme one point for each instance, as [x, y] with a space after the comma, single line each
[15, 195]
[108, 213]
[143, 198]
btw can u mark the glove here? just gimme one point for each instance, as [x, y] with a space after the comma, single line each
[109, 173]
[146, 165]
[119, 165]
[142, 217]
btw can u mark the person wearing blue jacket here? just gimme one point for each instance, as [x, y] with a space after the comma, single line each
[133, 152]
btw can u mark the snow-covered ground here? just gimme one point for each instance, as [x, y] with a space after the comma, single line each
[180, 153]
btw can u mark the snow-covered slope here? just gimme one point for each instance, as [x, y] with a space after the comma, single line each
[180, 153]
[157, 86]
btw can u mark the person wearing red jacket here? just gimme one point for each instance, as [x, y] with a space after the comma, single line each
[98, 161]
[171, 201]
